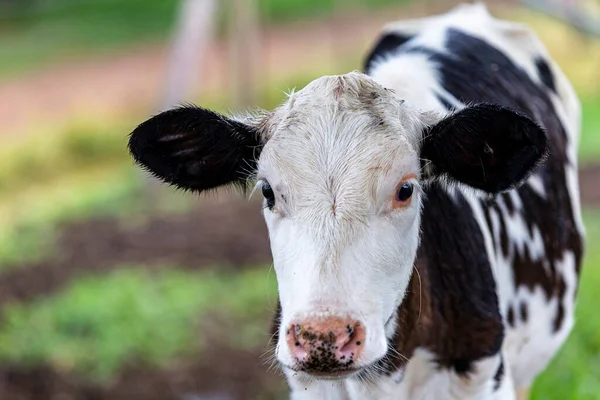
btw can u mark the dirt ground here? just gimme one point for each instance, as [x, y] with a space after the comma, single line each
[589, 185]
[221, 374]
[229, 233]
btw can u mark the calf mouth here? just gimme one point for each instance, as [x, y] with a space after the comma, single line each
[335, 375]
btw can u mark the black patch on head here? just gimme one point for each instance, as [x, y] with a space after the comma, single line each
[499, 375]
[545, 73]
[387, 44]
[195, 149]
[486, 146]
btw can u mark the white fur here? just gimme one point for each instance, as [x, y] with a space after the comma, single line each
[339, 249]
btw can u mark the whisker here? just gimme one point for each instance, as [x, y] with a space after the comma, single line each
[420, 292]
[271, 268]
[397, 353]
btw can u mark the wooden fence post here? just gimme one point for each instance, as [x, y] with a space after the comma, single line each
[194, 33]
[245, 53]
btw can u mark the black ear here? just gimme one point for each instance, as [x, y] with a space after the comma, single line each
[196, 149]
[485, 146]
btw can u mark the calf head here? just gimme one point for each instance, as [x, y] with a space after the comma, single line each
[341, 165]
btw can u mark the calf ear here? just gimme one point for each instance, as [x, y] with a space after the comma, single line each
[195, 149]
[485, 146]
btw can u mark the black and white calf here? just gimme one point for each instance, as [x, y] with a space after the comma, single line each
[424, 218]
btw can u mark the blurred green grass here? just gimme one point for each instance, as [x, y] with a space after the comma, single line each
[40, 32]
[52, 30]
[589, 148]
[98, 326]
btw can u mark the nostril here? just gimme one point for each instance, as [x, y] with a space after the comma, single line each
[296, 343]
[354, 340]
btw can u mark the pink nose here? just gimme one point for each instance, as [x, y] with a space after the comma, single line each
[329, 345]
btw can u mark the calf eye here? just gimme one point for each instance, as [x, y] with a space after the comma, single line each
[267, 192]
[403, 195]
[404, 192]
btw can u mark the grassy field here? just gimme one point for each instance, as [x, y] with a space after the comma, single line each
[589, 150]
[98, 326]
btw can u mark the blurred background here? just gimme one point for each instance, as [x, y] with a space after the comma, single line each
[114, 287]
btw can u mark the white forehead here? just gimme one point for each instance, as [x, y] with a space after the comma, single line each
[339, 129]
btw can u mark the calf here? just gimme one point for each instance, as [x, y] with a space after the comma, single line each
[424, 217]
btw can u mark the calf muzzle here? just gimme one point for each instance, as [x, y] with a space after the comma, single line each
[327, 346]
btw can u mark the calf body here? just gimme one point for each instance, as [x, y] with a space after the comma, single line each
[421, 249]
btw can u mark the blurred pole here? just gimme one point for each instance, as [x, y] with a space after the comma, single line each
[340, 9]
[244, 51]
[194, 31]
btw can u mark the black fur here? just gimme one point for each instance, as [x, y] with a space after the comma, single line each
[485, 146]
[499, 375]
[464, 302]
[444, 102]
[546, 75]
[195, 149]
[476, 72]
[388, 43]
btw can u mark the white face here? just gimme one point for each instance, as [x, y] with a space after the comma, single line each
[343, 239]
